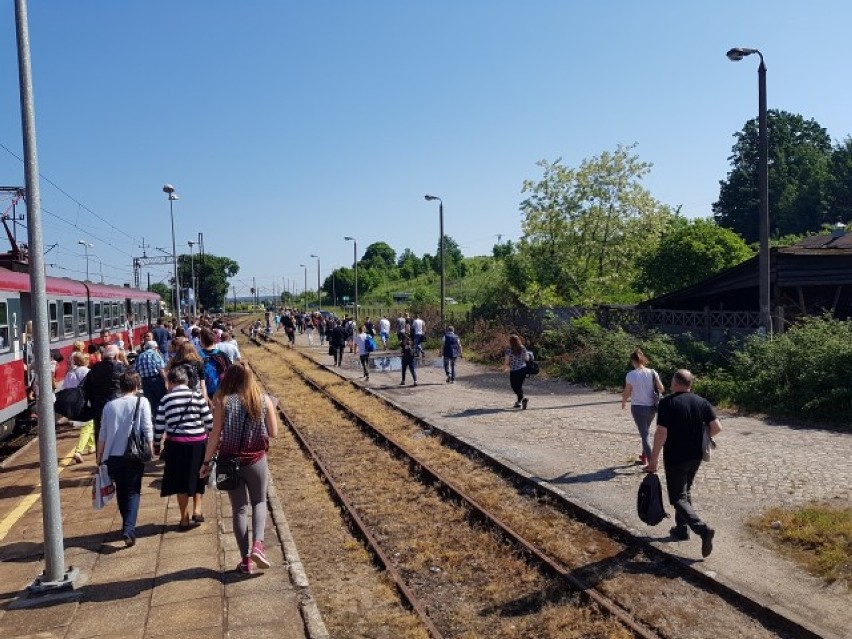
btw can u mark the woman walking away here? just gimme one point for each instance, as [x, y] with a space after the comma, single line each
[363, 353]
[130, 411]
[244, 420]
[517, 357]
[73, 378]
[641, 387]
[183, 420]
[186, 356]
[407, 347]
[451, 349]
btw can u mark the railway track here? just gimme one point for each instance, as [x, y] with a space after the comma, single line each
[613, 576]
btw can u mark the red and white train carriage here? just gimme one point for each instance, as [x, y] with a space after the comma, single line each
[76, 311]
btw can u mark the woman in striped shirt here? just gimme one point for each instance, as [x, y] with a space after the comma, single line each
[183, 421]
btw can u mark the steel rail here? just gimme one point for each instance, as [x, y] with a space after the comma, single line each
[551, 566]
[361, 527]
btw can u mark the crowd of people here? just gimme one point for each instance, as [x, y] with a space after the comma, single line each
[193, 403]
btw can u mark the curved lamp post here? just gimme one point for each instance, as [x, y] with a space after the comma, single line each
[170, 191]
[86, 247]
[441, 248]
[355, 262]
[764, 302]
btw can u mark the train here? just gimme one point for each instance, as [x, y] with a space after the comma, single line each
[76, 310]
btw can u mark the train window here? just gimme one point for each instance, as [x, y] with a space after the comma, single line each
[96, 316]
[117, 319]
[107, 315]
[68, 319]
[4, 327]
[53, 313]
[82, 328]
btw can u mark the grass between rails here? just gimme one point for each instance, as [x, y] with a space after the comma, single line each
[818, 536]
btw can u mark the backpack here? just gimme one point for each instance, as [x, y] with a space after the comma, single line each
[215, 365]
[649, 501]
[370, 344]
[532, 365]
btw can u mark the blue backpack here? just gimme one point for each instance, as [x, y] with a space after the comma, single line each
[370, 344]
[215, 365]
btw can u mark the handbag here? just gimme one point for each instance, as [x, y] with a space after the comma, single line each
[657, 394]
[532, 365]
[72, 403]
[103, 488]
[137, 448]
[227, 471]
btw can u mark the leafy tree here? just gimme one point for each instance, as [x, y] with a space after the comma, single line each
[504, 250]
[687, 253]
[584, 228]
[211, 274]
[342, 282]
[164, 291]
[841, 182]
[799, 178]
[378, 254]
[409, 265]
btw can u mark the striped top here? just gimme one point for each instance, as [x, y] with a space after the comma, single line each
[183, 413]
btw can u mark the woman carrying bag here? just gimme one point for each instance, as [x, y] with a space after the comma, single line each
[243, 421]
[125, 442]
[642, 386]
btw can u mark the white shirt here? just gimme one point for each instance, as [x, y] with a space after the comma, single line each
[418, 325]
[116, 422]
[642, 380]
[231, 350]
[384, 325]
[361, 343]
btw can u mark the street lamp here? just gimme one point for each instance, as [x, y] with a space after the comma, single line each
[306, 286]
[441, 248]
[318, 281]
[170, 190]
[192, 275]
[355, 262]
[86, 247]
[764, 302]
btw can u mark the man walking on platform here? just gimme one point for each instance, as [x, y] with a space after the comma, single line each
[101, 385]
[681, 420]
[418, 327]
[152, 369]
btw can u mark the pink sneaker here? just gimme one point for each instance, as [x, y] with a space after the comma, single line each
[259, 556]
[246, 566]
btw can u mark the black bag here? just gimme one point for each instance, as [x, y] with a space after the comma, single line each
[331, 350]
[137, 446]
[72, 403]
[532, 366]
[228, 474]
[649, 501]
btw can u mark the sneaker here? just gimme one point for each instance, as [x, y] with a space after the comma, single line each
[517, 405]
[679, 533]
[707, 542]
[259, 556]
[524, 403]
[129, 540]
[448, 379]
[78, 458]
[246, 566]
[415, 383]
[403, 384]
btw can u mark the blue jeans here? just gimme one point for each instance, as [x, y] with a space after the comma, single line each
[127, 476]
[418, 343]
[408, 364]
[643, 416]
[450, 367]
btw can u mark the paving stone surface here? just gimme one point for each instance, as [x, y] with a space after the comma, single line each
[580, 442]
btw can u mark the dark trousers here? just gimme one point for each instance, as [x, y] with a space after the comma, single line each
[418, 344]
[408, 364]
[450, 367]
[516, 380]
[338, 355]
[127, 476]
[154, 388]
[364, 362]
[679, 478]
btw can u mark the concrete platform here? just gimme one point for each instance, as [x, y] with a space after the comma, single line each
[171, 583]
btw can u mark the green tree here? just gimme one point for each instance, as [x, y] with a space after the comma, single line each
[584, 228]
[342, 282]
[840, 196]
[164, 291]
[687, 253]
[799, 178]
[504, 250]
[378, 254]
[211, 274]
[409, 265]
[453, 257]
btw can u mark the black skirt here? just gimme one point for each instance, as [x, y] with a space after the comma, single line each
[183, 461]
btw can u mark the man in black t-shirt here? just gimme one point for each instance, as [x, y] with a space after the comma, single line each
[681, 420]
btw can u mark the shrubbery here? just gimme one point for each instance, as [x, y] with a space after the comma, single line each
[803, 373]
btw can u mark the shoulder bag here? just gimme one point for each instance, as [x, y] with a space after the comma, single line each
[137, 448]
[227, 472]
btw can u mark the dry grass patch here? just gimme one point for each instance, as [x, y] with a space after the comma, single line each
[818, 536]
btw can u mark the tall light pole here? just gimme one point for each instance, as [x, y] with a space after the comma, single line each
[764, 292]
[318, 281]
[441, 249]
[306, 286]
[192, 274]
[86, 247]
[355, 262]
[170, 190]
[101, 267]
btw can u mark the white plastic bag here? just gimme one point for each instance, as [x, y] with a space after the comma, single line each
[103, 488]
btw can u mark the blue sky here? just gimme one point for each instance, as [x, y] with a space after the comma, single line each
[285, 126]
